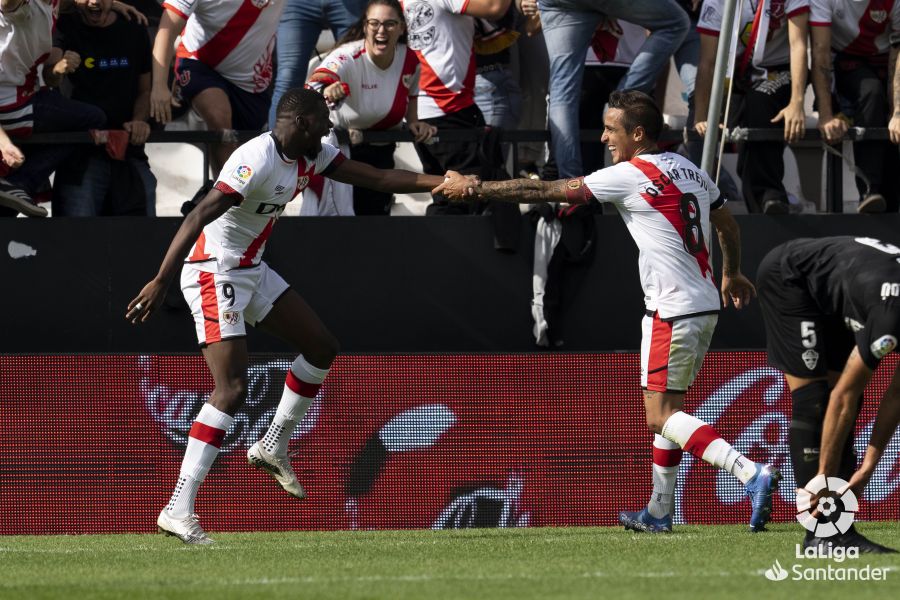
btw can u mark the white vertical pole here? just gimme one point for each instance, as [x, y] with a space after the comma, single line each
[710, 142]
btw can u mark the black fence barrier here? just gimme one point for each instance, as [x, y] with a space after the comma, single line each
[405, 284]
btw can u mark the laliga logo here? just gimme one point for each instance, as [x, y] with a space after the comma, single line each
[838, 515]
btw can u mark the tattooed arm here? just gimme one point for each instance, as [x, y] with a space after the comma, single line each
[832, 128]
[522, 191]
[736, 288]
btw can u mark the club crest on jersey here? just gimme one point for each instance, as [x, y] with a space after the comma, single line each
[407, 80]
[883, 346]
[242, 174]
[260, 4]
[810, 359]
[878, 16]
[231, 317]
[302, 182]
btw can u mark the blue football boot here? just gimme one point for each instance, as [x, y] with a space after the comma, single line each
[760, 489]
[644, 521]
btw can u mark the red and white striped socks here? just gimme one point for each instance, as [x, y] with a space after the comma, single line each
[203, 445]
[666, 458]
[300, 389]
[705, 443]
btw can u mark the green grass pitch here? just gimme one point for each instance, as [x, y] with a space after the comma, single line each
[695, 562]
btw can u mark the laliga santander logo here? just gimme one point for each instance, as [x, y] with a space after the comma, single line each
[836, 515]
[174, 408]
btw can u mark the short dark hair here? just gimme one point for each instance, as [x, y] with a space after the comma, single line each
[299, 101]
[639, 110]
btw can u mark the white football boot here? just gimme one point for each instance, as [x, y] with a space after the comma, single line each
[188, 529]
[278, 467]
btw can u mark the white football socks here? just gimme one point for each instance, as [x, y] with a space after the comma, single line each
[705, 443]
[300, 389]
[203, 445]
[666, 458]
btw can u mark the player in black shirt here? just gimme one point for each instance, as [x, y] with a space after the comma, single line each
[832, 312]
[114, 75]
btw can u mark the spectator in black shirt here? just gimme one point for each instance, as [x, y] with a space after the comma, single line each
[115, 76]
[832, 313]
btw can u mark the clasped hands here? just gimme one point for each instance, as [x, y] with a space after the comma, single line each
[458, 187]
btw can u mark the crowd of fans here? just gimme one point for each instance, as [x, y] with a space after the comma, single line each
[428, 66]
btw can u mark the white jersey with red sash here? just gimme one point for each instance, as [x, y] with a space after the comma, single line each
[234, 37]
[26, 37]
[375, 98]
[615, 43]
[862, 28]
[665, 201]
[763, 27]
[442, 36]
[262, 181]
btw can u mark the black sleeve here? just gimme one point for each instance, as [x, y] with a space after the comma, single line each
[881, 334]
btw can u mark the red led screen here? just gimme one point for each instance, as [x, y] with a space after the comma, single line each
[92, 444]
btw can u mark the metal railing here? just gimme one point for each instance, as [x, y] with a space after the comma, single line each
[834, 201]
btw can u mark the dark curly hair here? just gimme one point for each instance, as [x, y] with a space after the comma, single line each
[299, 101]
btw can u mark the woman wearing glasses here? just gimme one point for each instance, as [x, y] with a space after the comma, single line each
[370, 81]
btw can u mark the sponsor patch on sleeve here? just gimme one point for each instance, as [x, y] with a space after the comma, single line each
[242, 174]
[883, 346]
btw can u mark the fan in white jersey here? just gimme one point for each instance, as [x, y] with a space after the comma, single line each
[770, 74]
[441, 32]
[227, 285]
[370, 81]
[667, 204]
[223, 64]
[851, 46]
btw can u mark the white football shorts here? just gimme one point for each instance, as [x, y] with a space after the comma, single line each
[223, 303]
[672, 351]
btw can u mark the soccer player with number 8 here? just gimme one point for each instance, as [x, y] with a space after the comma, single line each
[667, 203]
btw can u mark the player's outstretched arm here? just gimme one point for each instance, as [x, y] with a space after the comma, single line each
[736, 288]
[883, 428]
[214, 205]
[397, 181]
[522, 191]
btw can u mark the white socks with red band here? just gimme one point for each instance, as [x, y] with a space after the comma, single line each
[666, 458]
[300, 389]
[204, 441]
[705, 443]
